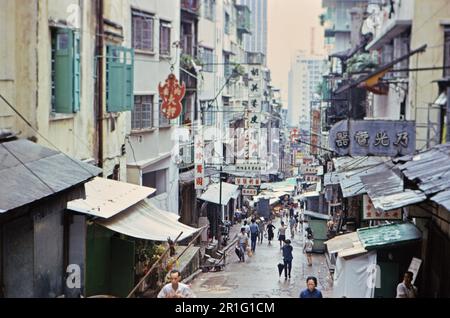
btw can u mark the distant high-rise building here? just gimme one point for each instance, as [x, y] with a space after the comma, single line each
[304, 79]
[256, 42]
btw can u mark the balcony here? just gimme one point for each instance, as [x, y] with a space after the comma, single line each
[191, 6]
[243, 19]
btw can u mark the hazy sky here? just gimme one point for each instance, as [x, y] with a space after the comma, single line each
[290, 27]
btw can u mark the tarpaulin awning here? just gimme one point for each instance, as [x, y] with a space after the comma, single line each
[316, 215]
[106, 198]
[145, 221]
[342, 242]
[212, 194]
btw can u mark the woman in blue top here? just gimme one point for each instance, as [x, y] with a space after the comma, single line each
[311, 291]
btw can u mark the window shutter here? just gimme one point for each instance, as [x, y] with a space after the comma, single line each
[129, 74]
[77, 74]
[120, 81]
[115, 80]
[64, 71]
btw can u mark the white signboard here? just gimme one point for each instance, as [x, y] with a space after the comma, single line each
[247, 181]
[199, 161]
[249, 192]
[414, 267]
[370, 213]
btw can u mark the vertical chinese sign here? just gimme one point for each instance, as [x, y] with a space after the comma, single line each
[199, 162]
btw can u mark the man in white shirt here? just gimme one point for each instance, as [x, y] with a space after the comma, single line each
[406, 289]
[175, 289]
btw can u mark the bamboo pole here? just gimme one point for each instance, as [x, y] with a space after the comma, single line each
[192, 241]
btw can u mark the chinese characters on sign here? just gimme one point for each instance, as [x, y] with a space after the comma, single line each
[171, 94]
[249, 192]
[199, 173]
[373, 138]
[248, 181]
[370, 213]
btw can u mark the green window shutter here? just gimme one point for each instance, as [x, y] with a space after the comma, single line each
[115, 80]
[77, 74]
[129, 73]
[64, 71]
[120, 79]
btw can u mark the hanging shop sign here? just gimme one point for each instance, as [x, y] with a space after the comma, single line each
[373, 138]
[247, 181]
[171, 93]
[370, 213]
[249, 192]
[199, 162]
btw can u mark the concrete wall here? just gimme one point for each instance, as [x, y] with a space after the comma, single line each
[426, 29]
[25, 78]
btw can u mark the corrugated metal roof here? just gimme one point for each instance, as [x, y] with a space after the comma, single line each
[145, 221]
[212, 194]
[106, 198]
[352, 163]
[351, 183]
[386, 235]
[430, 169]
[382, 183]
[442, 198]
[35, 172]
[398, 200]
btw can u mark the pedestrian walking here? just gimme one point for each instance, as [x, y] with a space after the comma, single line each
[282, 234]
[307, 249]
[247, 228]
[175, 289]
[270, 227]
[291, 211]
[406, 289]
[292, 226]
[242, 244]
[254, 232]
[287, 258]
[261, 226]
[311, 290]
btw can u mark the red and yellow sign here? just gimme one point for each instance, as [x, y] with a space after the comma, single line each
[171, 93]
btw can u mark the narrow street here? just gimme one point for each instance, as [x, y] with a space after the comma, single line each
[258, 277]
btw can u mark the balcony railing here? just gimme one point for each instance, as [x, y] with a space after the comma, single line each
[192, 6]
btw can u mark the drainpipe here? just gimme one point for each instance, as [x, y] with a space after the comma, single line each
[99, 53]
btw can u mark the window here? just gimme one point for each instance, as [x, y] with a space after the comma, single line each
[142, 115]
[119, 79]
[164, 38]
[447, 52]
[142, 31]
[210, 9]
[65, 72]
[228, 69]
[227, 25]
[163, 121]
[208, 60]
[156, 180]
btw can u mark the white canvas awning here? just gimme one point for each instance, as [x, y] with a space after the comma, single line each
[145, 221]
[106, 198]
[229, 191]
